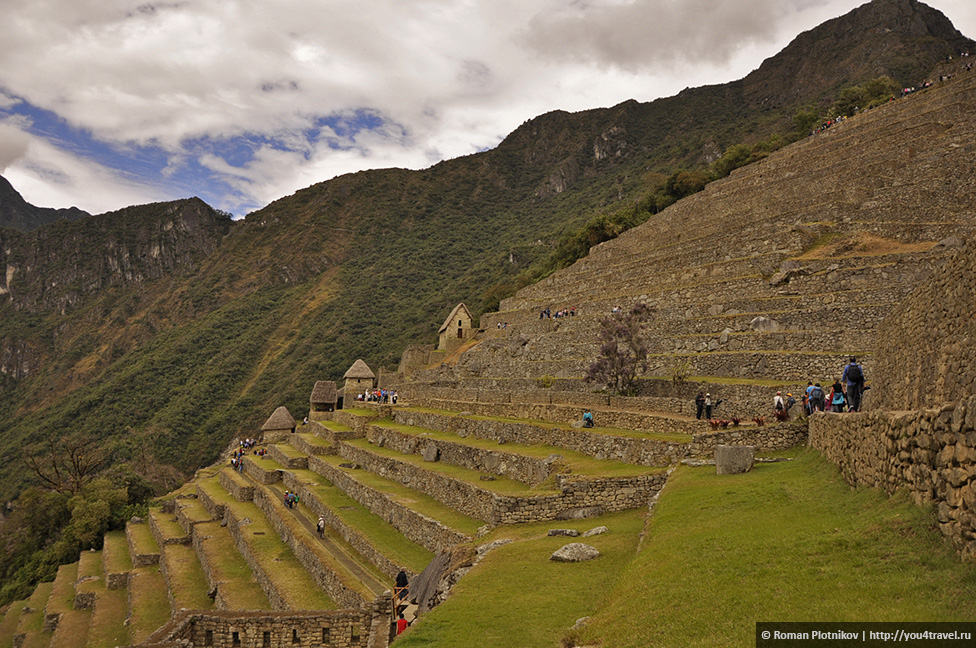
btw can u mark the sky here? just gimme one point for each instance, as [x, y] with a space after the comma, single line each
[111, 103]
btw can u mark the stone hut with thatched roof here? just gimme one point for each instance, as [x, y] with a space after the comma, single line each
[278, 426]
[323, 399]
[458, 327]
[359, 378]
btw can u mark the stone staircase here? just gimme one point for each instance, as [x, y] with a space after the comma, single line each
[822, 239]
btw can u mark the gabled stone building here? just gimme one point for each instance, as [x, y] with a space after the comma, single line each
[323, 399]
[278, 426]
[458, 327]
[359, 378]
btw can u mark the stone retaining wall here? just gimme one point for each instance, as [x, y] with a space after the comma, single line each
[286, 460]
[628, 449]
[325, 577]
[425, 531]
[930, 453]
[354, 421]
[261, 475]
[239, 489]
[527, 470]
[267, 584]
[368, 625]
[215, 510]
[213, 585]
[356, 540]
[302, 445]
[779, 436]
[158, 535]
[611, 494]
[139, 559]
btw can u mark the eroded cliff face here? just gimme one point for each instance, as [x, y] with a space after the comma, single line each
[55, 267]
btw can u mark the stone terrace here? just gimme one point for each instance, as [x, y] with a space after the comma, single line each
[824, 259]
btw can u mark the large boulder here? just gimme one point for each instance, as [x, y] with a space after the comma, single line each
[732, 460]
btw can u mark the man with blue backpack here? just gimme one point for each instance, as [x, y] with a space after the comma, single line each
[853, 378]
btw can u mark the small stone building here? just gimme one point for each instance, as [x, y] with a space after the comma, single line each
[323, 399]
[458, 327]
[359, 378]
[278, 426]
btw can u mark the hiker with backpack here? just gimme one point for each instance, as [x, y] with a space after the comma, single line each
[837, 399]
[853, 378]
[817, 398]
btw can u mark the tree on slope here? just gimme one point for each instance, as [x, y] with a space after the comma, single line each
[623, 349]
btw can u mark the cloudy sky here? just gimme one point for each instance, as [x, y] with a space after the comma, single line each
[109, 103]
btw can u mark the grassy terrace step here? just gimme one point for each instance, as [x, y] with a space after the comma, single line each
[577, 462]
[226, 570]
[143, 548]
[351, 569]
[30, 624]
[89, 575]
[282, 577]
[324, 497]
[149, 605]
[375, 490]
[311, 444]
[116, 562]
[72, 624]
[190, 511]
[107, 627]
[166, 528]
[185, 579]
[8, 624]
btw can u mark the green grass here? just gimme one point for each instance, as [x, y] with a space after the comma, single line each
[115, 553]
[72, 630]
[358, 411]
[193, 510]
[380, 533]
[241, 591]
[336, 426]
[142, 538]
[578, 462]
[289, 451]
[785, 542]
[167, 524]
[150, 604]
[63, 593]
[517, 597]
[32, 622]
[409, 497]
[315, 440]
[187, 580]
[108, 628]
[9, 623]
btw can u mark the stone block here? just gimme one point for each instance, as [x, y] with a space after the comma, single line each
[572, 533]
[732, 460]
[574, 552]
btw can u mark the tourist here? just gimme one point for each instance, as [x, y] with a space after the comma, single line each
[587, 419]
[837, 397]
[807, 403]
[699, 405]
[401, 586]
[817, 398]
[708, 405]
[401, 624]
[778, 404]
[853, 378]
[320, 527]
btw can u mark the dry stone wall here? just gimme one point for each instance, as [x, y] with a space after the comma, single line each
[423, 530]
[929, 341]
[930, 453]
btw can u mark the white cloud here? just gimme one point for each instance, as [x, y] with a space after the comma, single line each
[447, 77]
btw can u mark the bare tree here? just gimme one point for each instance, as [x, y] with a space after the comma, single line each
[623, 349]
[64, 464]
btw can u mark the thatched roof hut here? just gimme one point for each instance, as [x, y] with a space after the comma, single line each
[323, 393]
[281, 419]
[360, 371]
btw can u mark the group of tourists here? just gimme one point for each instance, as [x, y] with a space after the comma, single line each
[704, 405]
[844, 395]
[388, 396]
[291, 499]
[547, 313]
[501, 325]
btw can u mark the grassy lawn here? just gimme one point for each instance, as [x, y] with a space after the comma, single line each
[786, 542]
[241, 592]
[517, 597]
[409, 497]
[63, 593]
[167, 524]
[108, 627]
[115, 553]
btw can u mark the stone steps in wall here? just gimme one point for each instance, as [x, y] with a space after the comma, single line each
[416, 515]
[30, 632]
[280, 576]
[227, 574]
[143, 549]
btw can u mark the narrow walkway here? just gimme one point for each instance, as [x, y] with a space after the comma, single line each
[350, 562]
